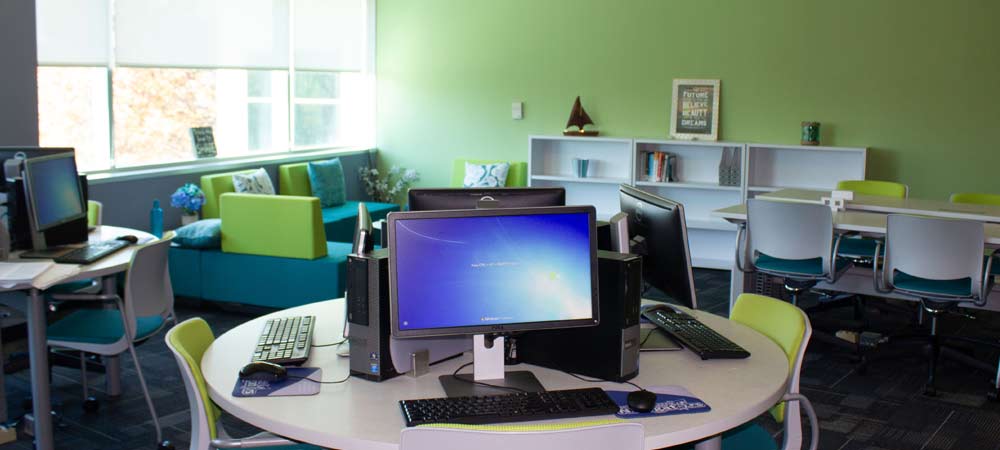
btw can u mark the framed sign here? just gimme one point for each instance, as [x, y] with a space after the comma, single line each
[203, 141]
[695, 110]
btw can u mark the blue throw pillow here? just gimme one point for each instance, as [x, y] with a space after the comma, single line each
[326, 178]
[205, 233]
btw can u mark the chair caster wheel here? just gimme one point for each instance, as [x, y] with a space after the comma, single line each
[165, 445]
[90, 404]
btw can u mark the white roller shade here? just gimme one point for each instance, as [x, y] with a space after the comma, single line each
[249, 34]
[330, 34]
[72, 32]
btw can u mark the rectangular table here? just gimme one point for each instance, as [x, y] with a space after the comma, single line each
[892, 205]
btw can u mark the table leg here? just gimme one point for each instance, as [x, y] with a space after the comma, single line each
[39, 356]
[712, 443]
[112, 364]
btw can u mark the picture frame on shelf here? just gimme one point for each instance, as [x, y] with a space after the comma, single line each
[694, 111]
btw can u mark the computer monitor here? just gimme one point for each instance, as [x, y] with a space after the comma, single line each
[473, 198]
[53, 193]
[657, 231]
[489, 273]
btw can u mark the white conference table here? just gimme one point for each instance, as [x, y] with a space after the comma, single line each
[860, 216]
[35, 315]
[361, 414]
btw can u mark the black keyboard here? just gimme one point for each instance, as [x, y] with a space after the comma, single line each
[285, 340]
[517, 407]
[694, 335]
[91, 252]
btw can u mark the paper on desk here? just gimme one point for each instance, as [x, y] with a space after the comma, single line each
[56, 274]
[15, 273]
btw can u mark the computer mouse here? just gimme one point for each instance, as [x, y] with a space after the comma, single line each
[128, 238]
[263, 371]
[641, 401]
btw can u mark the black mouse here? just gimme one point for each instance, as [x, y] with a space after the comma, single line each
[263, 371]
[128, 238]
[641, 401]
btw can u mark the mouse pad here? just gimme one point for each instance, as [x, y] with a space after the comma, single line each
[299, 382]
[670, 400]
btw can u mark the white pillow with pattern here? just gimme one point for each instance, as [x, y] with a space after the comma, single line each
[486, 175]
[256, 182]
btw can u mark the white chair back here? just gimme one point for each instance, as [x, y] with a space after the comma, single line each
[582, 436]
[148, 291]
[935, 249]
[789, 230]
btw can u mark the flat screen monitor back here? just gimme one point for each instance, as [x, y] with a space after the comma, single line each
[20, 234]
[472, 198]
[657, 231]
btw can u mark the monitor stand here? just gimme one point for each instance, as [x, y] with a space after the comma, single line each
[488, 368]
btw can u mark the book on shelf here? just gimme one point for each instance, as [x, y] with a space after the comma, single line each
[659, 167]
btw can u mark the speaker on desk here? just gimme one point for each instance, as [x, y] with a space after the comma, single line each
[608, 351]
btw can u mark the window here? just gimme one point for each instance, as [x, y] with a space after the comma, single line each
[128, 93]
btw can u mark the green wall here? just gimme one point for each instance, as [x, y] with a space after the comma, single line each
[917, 82]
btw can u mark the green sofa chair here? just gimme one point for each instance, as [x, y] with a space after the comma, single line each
[517, 176]
[274, 253]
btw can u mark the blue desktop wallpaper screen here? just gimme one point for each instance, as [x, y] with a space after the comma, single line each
[481, 271]
[55, 190]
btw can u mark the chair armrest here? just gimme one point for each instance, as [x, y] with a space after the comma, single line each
[740, 255]
[879, 284]
[811, 414]
[258, 440]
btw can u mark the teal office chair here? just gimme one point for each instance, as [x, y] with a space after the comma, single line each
[146, 309]
[940, 262]
[794, 241]
[188, 341]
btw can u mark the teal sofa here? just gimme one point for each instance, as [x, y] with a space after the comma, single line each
[277, 251]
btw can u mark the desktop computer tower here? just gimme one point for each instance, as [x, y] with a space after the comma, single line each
[368, 316]
[608, 351]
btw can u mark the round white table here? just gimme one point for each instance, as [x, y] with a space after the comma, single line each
[361, 414]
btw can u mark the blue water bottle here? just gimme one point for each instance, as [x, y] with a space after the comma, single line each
[156, 220]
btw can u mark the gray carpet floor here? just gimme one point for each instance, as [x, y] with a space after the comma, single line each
[883, 408]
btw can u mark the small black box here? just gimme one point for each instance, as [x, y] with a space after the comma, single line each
[610, 350]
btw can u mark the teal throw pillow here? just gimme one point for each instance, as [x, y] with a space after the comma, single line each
[205, 233]
[326, 178]
[486, 175]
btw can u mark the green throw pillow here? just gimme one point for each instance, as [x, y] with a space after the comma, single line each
[326, 178]
[205, 233]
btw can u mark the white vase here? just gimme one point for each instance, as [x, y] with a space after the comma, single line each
[188, 218]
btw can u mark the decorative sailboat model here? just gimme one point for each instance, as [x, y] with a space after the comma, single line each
[578, 118]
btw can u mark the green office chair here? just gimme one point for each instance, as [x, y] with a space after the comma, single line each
[861, 250]
[188, 341]
[591, 435]
[147, 307]
[788, 327]
[939, 262]
[95, 212]
[794, 241]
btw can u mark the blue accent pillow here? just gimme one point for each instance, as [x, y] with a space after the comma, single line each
[205, 233]
[326, 179]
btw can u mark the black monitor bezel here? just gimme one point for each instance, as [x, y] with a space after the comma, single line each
[394, 217]
[664, 203]
[29, 190]
[499, 192]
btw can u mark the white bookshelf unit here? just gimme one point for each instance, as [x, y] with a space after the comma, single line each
[763, 168]
[774, 167]
[551, 163]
